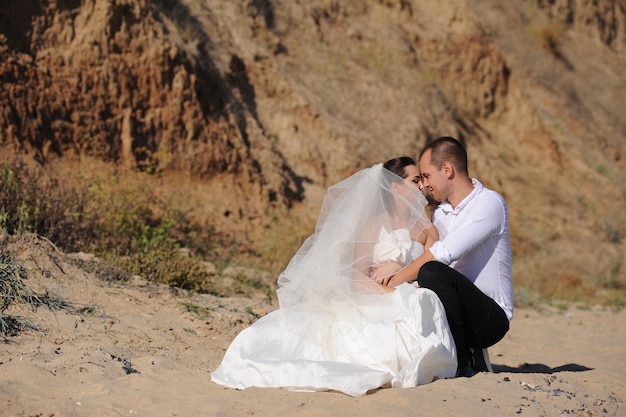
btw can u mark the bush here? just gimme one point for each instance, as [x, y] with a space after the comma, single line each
[31, 203]
[13, 292]
[114, 214]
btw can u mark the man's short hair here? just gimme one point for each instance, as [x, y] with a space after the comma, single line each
[447, 148]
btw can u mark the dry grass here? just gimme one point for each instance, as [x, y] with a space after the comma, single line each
[118, 215]
[549, 35]
[15, 295]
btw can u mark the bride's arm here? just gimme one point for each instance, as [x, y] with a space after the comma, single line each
[379, 272]
[364, 276]
[383, 273]
[409, 273]
[428, 236]
[362, 268]
[364, 272]
[377, 286]
[394, 275]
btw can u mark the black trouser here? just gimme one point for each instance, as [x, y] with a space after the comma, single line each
[475, 319]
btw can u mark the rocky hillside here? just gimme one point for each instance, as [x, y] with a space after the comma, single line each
[264, 103]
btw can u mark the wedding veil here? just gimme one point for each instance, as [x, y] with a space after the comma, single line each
[332, 265]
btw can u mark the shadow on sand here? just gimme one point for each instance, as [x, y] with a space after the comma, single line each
[539, 368]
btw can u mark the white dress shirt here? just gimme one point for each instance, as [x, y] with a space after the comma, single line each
[474, 240]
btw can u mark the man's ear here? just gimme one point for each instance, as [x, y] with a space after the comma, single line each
[447, 169]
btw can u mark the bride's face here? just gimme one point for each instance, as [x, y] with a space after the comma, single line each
[410, 187]
[413, 176]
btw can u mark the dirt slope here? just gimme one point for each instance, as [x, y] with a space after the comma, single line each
[265, 103]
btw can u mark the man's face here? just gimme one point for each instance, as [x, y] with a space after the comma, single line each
[433, 179]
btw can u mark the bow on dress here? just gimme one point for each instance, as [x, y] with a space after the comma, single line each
[392, 246]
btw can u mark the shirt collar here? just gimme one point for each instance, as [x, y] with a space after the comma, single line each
[446, 207]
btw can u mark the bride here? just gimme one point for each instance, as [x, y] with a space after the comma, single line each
[337, 328]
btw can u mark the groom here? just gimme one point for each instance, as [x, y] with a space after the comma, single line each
[469, 267]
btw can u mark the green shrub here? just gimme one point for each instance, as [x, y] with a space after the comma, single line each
[115, 215]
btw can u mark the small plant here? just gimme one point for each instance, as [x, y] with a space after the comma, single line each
[201, 312]
[614, 234]
[549, 35]
[613, 280]
[525, 297]
[615, 301]
[602, 170]
[14, 293]
[253, 313]
[91, 310]
[562, 306]
[55, 303]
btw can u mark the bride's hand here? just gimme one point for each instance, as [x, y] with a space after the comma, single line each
[382, 273]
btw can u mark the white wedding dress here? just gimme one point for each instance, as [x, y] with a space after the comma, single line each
[334, 330]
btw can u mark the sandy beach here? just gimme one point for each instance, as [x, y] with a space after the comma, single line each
[140, 349]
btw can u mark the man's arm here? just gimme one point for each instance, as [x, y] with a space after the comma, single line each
[487, 218]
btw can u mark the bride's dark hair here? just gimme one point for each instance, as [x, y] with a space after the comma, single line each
[397, 165]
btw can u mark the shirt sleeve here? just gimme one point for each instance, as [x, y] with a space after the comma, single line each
[485, 218]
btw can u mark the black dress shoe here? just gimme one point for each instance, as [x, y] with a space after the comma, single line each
[480, 360]
[465, 371]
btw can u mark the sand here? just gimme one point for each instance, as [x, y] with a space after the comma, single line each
[140, 349]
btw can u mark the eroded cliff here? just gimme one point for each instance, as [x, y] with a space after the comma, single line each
[266, 103]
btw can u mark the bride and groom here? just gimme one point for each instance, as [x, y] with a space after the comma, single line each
[381, 296]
